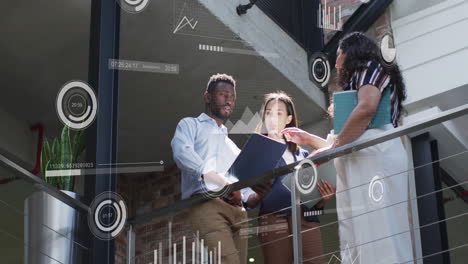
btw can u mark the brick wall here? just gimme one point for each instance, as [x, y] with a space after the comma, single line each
[143, 194]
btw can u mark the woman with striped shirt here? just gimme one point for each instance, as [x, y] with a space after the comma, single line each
[372, 183]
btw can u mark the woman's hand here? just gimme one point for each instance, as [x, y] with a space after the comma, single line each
[320, 151]
[301, 137]
[296, 135]
[327, 191]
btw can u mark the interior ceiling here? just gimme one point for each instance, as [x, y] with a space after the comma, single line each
[43, 48]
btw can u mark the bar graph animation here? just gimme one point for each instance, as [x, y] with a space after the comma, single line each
[200, 254]
[329, 18]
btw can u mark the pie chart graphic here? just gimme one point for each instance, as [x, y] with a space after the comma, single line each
[387, 49]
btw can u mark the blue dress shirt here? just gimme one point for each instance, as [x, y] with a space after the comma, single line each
[200, 146]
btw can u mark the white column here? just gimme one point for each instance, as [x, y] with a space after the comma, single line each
[202, 251]
[183, 250]
[193, 252]
[160, 253]
[219, 252]
[334, 18]
[175, 253]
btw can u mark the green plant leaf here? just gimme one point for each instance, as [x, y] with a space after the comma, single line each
[45, 155]
[50, 180]
[66, 156]
[62, 154]
[56, 161]
[55, 151]
[78, 145]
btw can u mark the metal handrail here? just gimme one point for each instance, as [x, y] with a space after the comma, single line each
[321, 158]
[42, 185]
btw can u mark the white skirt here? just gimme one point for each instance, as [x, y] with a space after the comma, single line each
[372, 203]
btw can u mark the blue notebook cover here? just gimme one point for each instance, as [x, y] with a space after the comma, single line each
[345, 102]
[259, 154]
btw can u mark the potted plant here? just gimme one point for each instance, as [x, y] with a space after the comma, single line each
[51, 225]
[62, 155]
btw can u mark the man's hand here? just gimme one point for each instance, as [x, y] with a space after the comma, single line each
[262, 189]
[235, 198]
[213, 177]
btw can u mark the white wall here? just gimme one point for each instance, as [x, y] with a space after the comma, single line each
[432, 48]
[17, 139]
[403, 8]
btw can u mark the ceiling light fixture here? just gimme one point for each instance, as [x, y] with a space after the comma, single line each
[242, 9]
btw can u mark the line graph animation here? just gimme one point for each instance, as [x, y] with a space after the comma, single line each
[347, 258]
[191, 18]
[187, 22]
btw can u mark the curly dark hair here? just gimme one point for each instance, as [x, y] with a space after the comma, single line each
[359, 50]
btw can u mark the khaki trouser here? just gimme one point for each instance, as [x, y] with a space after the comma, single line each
[218, 221]
[277, 249]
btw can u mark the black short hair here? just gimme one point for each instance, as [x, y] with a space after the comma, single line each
[217, 78]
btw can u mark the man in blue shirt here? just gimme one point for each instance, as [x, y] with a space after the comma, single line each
[204, 152]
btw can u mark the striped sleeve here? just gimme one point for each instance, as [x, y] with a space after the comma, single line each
[374, 75]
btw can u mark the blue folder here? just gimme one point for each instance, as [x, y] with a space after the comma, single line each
[345, 102]
[260, 154]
